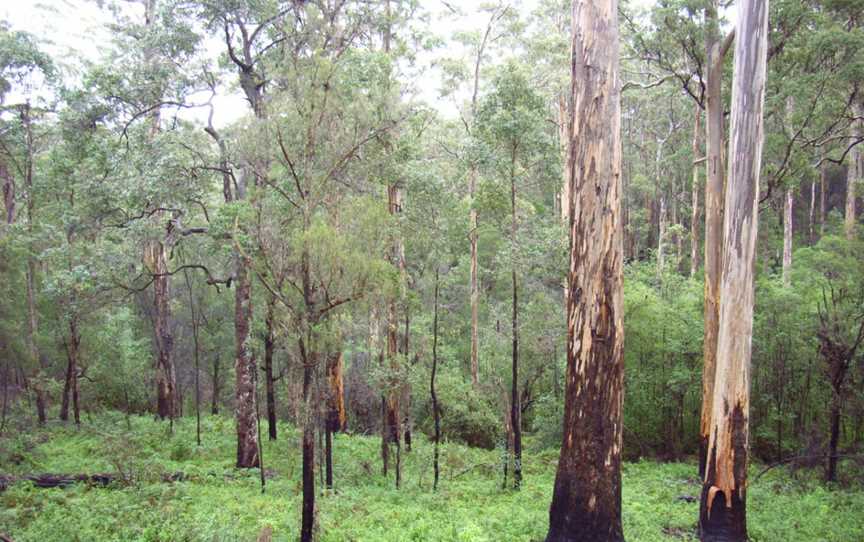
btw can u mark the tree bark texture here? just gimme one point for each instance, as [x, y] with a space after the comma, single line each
[244, 369]
[586, 501]
[694, 206]
[713, 218]
[269, 347]
[722, 512]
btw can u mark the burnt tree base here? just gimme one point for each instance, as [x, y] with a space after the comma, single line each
[722, 524]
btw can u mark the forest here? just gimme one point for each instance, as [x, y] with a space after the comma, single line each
[394, 270]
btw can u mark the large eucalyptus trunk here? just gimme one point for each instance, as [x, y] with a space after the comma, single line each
[722, 512]
[713, 216]
[855, 170]
[586, 502]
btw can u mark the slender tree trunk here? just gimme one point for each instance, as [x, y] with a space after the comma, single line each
[334, 421]
[834, 420]
[197, 351]
[586, 500]
[269, 346]
[515, 410]
[661, 238]
[694, 208]
[722, 513]
[70, 388]
[435, 414]
[787, 237]
[244, 369]
[713, 218]
[36, 362]
[393, 418]
[823, 198]
[812, 214]
[308, 515]
[214, 400]
[475, 285]
[855, 171]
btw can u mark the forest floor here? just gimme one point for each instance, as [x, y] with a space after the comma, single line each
[216, 502]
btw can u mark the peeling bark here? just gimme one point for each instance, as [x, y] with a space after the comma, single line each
[713, 218]
[586, 502]
[722, 512]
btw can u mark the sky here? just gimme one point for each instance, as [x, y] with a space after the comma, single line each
[71, 29]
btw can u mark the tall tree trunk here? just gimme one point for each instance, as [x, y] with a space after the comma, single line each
[214, 400]
[834, 439]
[586, 501]
[787, 237]
[812, 214]
[435, 413]
[269, 346]
[823, 198]
[334, 420]
[393, 418]
[716, 52]
[855, 171]
[36, 362]
[70, 388]
[722, 512]
[244, 369]
[308, 514]
[661, 238]
[515, 409]
[196, 324]
[694, 208]
[166, 383]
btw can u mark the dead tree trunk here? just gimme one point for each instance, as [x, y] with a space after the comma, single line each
[716, 52]
[722, 512]
[586, 501]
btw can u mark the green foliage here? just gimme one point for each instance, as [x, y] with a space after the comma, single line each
[217, 502]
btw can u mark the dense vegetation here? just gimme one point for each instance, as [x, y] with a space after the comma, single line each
[374, 288]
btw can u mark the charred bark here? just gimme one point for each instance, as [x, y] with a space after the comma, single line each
[586, 500]
[722, 512]
[269, 346]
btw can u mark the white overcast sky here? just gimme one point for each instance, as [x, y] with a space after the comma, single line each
[71, 29]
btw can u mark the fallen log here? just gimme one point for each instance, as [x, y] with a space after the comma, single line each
[66, 480]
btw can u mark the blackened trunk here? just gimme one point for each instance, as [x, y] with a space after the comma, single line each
[722, 512]
[586, 500]
[435, 413]
[214, 400]
[166, 382]
[831, 469]
[269, 345]
[308, 516]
